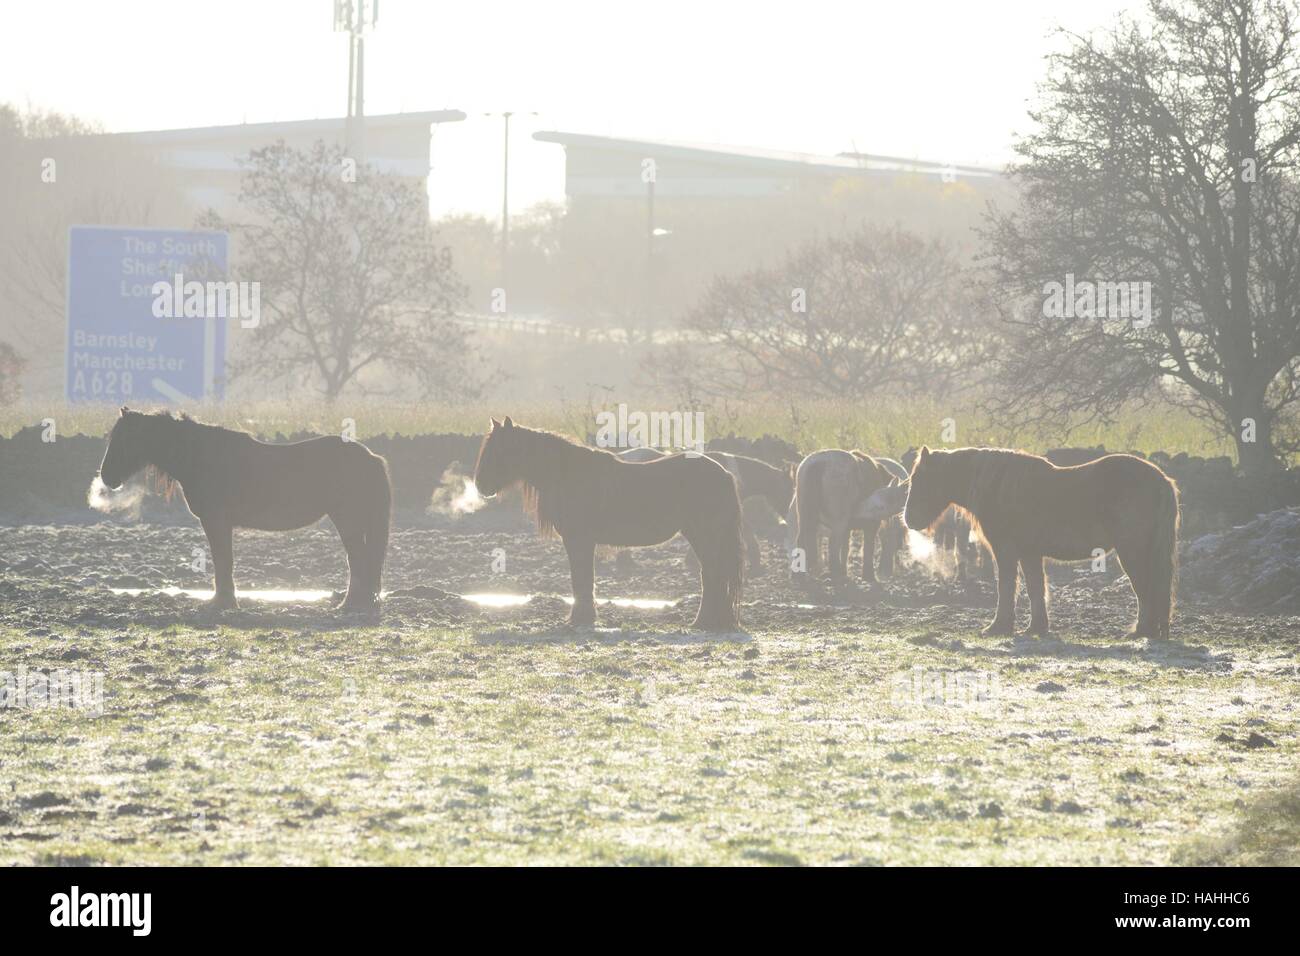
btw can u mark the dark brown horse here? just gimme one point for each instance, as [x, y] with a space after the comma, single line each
[1029, 510]
[232, 480]
[589, 497]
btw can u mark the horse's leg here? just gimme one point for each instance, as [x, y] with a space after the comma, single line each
[221, 542]
[943, 546]
[1136, 563]
[838, 557]
[1004, 622]
[809, 540]
[376, 548]
[582, 568]
[710, 584]
[1036, 585]
[376, 551]
[714, 614]
[898, 543]
[353, 537]
[888, 548]
[753, 550]
[869, 533]
[791, 536]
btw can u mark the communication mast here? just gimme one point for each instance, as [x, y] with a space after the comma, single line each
[353, 17]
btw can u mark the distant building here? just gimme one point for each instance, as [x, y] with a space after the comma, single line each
[175, 173]
[205, 159]
[608, 167]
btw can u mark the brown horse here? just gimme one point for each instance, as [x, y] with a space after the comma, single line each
[589, 497]
[232, 480]
[1028, 510]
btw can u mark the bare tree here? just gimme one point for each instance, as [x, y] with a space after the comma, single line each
[1167, 154]
[352, 280]
[868, 312]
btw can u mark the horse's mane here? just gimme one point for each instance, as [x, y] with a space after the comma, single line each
[999, 475]
[190, 432]
[191, 425]
[997, 480]
[548, 454]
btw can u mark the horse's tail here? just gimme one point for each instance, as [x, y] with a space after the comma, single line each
[1164, 557]
[379, 519]
[732, 559]
[808, 509]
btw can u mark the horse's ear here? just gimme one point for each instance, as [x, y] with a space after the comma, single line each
[495, 424]
[123, 410]
[925, 453]
[509, 423]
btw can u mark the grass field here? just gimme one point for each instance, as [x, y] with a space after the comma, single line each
[884, 730]
[885, 427]
[368, 746]
[860, 728]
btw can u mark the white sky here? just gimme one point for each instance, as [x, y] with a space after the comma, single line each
[945, 80]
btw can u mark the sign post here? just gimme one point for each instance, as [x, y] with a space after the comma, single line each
[118, 349]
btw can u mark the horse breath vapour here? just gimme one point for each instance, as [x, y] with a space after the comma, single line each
[105, 500]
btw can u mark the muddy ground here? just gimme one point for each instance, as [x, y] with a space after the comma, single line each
[868, 725]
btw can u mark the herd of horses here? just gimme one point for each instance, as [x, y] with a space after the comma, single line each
[1020, 509]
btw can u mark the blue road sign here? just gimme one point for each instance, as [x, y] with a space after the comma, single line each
[118, 350]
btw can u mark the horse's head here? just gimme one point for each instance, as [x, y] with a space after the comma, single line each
[928, 495]
[885, 503]
[496, 466]
[128, 448]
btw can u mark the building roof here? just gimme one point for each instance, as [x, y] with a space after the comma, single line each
[759, 159]
[292, 127]
[765, 160]
[903, 164]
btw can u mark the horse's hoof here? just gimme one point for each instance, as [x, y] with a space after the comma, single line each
[716, 626]
[221, 604]
[997, 629]
[358, 607]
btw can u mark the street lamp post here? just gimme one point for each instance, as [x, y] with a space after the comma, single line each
[505, 199]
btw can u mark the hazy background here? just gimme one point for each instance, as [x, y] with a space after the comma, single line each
[944, 81]
[855, 204]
